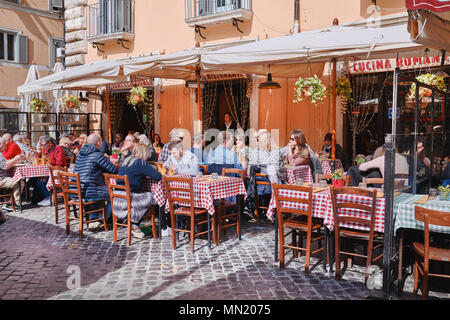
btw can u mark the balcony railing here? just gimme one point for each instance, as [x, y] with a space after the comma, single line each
[202, 8]
[109, 17]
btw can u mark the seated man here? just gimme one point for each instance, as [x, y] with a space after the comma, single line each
[11, 148]
[67, 145]
[176, 135]
[327, 150]
[223, 156]
[181, 161]
[91, 163]
[7, 182]
[57, 158]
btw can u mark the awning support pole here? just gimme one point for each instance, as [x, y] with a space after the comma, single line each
[108, 107]
[333, 112]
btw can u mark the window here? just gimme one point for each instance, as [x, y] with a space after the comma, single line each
[55, 5]
[13, 46]
[55, 50]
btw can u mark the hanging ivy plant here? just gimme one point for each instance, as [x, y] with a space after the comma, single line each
[430, 79]
[311, 88]
[38, 105]
[137, 95]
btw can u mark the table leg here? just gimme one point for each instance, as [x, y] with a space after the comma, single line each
[20, 193]
[325, 250]
[209, 230]
[160, 217]
[331, 250]
[276, 233]
[400, 280]
[239, 200]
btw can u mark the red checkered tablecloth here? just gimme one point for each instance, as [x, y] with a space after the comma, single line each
[326, 166]
[304, 172]
[323, 208]
[207, 189]
[31, 171]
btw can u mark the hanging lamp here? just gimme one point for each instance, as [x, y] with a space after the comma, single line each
[269, 84]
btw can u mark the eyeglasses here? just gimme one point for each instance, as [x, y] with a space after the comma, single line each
[292, 139]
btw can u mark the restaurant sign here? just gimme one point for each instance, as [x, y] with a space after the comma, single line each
[383, 65]
[131, 84]
[222, 76]
[432, 5]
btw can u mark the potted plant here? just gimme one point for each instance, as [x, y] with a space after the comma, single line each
[137, 95]
[38, 105]
[338, 178]
[425, 93]
[344, 88]
[444, 192]
[70, 102]
[360, 159]
[311, 88]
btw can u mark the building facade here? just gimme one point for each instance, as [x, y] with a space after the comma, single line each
[128, 28]
[30, 31]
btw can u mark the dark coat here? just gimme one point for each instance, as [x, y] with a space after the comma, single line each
[91, 163]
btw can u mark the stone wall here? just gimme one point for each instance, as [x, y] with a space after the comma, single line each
[75, 36]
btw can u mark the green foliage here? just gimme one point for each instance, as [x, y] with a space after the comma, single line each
[311, 88]
[344, 88]
[360, 159]
[338, 174]
[38, 105]
[430, 79]
[70, 98]
[141, 91]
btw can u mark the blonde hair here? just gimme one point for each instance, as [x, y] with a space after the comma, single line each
[140, 151]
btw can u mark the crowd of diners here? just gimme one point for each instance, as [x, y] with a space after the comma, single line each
[138, 153]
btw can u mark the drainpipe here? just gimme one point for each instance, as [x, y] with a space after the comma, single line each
[296, 19]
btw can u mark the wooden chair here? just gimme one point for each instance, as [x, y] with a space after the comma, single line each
[7, 196]
[70, 160]
[223, 219]
[368, 181]
[205, 168]
[121, 190]
[180, 195]
[258, 206]
[320, 176]
[71, 185]
[340, 216]
[57, 188]
[298, 221]
[424, 252]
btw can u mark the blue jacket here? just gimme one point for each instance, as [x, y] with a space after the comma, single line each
[136, 174]
[91, 163]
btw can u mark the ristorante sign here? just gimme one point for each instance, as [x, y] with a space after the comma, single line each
[131, 84]
[383, 65]
[432, 5]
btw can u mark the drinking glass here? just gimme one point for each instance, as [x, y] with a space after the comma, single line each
[433, 193]
[363, 185]
[323, 183]
[299, 181]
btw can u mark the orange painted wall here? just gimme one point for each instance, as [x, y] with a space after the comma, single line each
[175, 110]
[283, 114]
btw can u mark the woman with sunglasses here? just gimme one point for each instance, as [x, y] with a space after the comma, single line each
[298, 150]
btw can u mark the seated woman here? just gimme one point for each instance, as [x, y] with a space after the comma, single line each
[240, 148]
[137, 169]
[298, 153]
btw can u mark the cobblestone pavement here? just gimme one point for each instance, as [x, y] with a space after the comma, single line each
[39, 261]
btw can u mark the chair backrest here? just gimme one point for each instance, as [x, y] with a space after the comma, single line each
[428, 216]
[347, 180]
[373, 180]
[233, 172]
[70, 184]
[54, 175]
[179, 190]
[70, 160]
[320, 176]
[204, 168]
[262, 182]
[289, 200]
[118, 187]
[344, 208]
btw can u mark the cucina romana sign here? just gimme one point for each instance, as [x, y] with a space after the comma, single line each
[433, 5]
[383, 65]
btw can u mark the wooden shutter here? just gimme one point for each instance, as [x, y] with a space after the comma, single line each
[23, 49]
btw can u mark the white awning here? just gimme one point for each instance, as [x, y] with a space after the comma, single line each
[429, 29]
[286, 54]
[84, 77]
